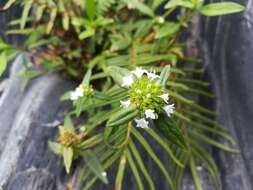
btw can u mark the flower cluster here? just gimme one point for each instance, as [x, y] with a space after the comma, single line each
[67, 137]
[146, 95]
[70, 138]
[81, 91]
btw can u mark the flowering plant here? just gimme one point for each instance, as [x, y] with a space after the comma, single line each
[134, 81]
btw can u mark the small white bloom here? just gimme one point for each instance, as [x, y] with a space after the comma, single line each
[152, 75]
[125, 104]
[165, 97]
[160, 20]
[83, 128]
[150, 114]
[169, 109]
[142, 123]
[148, 95]
[139, 72]
[127, 81]
[104, 174]
[79, 91]
[73, 96]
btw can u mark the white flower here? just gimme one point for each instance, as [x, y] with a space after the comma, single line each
[142, 123]
[139, 72]
[160, 20]
[150, 114]
[73, 96]
[83, 128]
[165, 97]
[152, 75]
[127, 81]
[77, 93]
[104, 174]
[169, 109]
[125, 104]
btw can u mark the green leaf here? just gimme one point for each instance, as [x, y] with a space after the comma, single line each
[26, 10]
[168, 128]
[86, 34]
[55, 147]
[3, 62]
[139, 160]
[65, 21]
[196, 178]
[167, 29]
[117, 73]
[166, 146]
[91, 9]
[165, 74]
[94, 164]
[122, 117]
[68, 123]
[181, 3]
[68, 154]
[144, 9]
[151, 153]
[223, 8]
[134, 170]
[120, 173]
[86, 79]
[9, 4]
[213, 142]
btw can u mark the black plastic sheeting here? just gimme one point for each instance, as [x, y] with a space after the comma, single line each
[228, 51]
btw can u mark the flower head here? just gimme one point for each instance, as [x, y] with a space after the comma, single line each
[142, 123]
[67, 137]
[144, 94]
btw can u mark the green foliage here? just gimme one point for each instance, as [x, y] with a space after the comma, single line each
[215, 9]
[126, 59]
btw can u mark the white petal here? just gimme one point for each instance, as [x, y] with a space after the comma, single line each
[165, 97]
[152, 75]
[79, 91]
[139, 72]
[142, 123]
[127, 81]
[125, 104]
[104, 174]
[150, 114]
[169, 109]
[73, 96]
[161, 20]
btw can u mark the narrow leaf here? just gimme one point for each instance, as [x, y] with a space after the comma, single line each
[120, 173]
[68, 154]
[55, 147]
[94, 164]
[91, 9]
[134, 170]
[223, 8]
[3, 62]
[165, 74]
